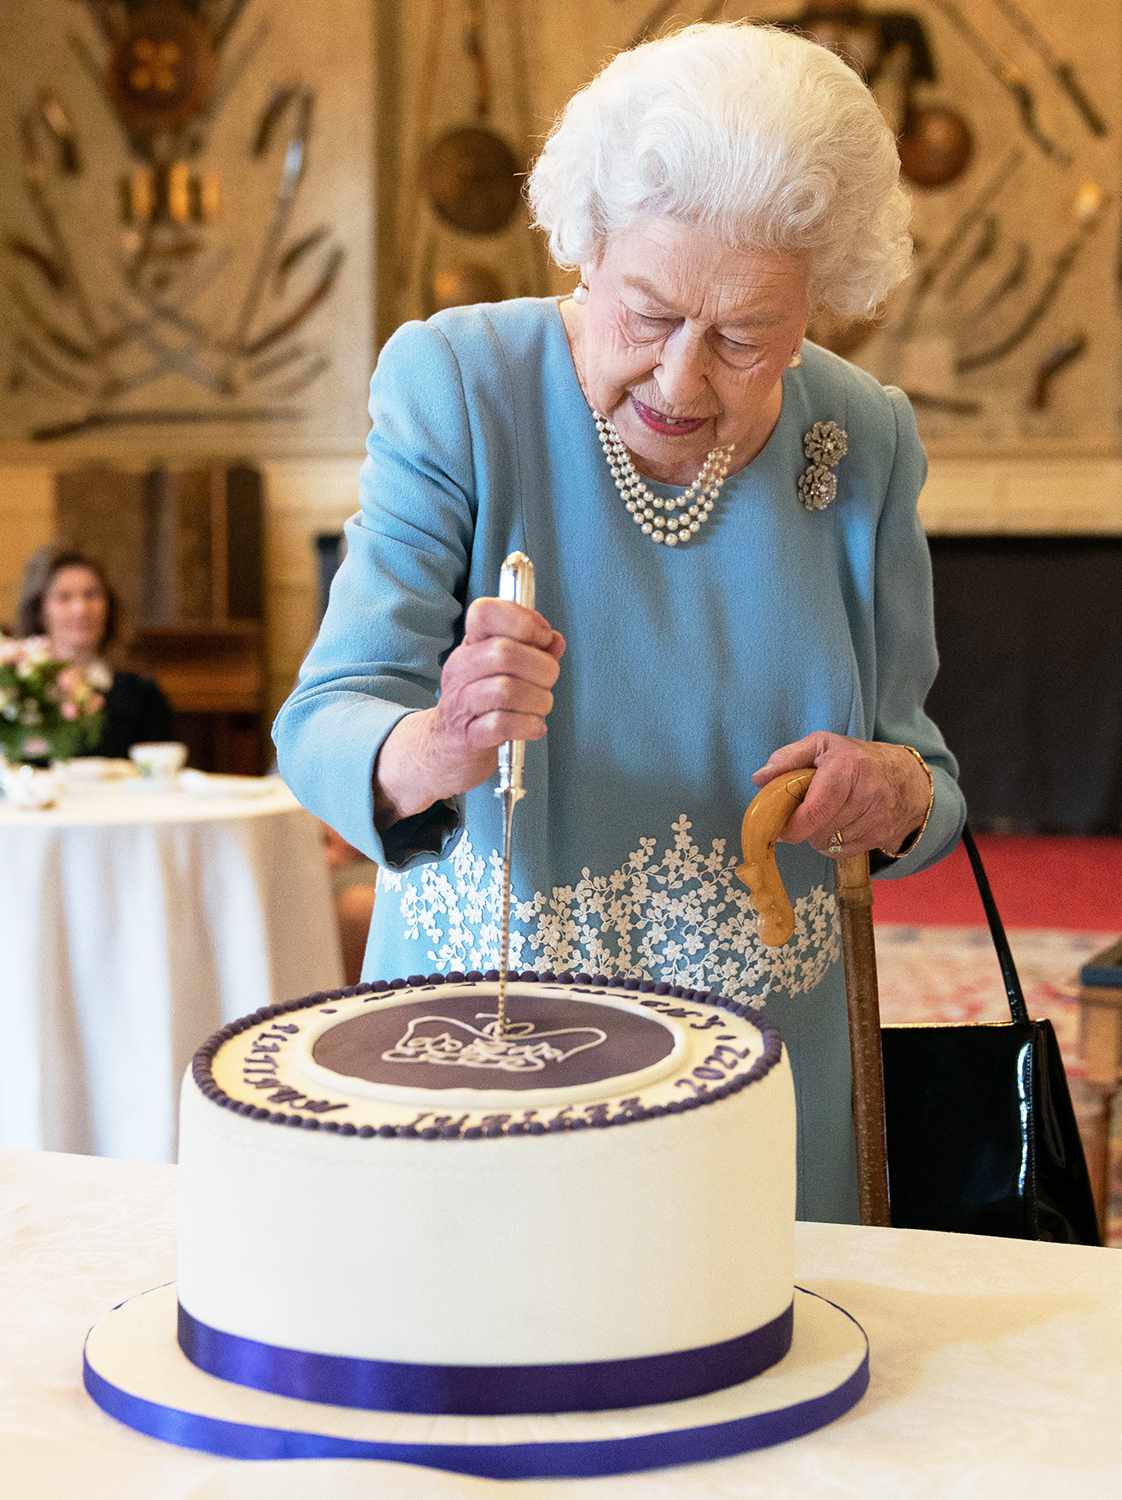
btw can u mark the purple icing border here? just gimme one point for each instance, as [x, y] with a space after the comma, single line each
[203, 1074]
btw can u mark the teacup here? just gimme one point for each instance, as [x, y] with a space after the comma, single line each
[159, 760]
[25, 786]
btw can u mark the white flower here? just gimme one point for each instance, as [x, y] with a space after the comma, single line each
[704, 936]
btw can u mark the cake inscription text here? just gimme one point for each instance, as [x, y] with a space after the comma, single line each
[259, 1071]
[683, 1013]
[720, 1065]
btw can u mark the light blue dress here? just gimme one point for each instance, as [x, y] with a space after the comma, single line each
[685, 668]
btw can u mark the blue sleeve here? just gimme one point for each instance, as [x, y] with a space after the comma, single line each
[907, 659]
[396, 604]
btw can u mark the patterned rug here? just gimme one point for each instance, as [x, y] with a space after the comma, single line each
[951, 974]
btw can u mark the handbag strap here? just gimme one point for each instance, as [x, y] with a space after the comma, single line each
[1017, 1007]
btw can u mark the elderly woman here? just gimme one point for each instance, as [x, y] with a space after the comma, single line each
[66, 596]
[731, 577]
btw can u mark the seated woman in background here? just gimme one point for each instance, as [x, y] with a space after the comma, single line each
[66, 596]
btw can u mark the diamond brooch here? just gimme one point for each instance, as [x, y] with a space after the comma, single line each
[825, 445]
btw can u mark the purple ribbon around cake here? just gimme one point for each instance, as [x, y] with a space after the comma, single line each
[503, 1460]
[484, 1390]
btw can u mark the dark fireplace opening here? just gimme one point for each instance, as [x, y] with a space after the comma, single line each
[1029, 692]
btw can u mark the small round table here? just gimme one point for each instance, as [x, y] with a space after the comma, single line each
[135, 921]
[1100, 1018]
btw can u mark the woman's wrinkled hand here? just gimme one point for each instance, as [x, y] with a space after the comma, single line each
[497, 685]
[871, 793]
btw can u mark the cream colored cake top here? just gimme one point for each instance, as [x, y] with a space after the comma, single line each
[427, 1060]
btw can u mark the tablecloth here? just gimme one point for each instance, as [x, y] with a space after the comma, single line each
[995, 1368]
[133, 923]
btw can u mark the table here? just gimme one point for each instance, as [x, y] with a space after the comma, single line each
[133, 923]
[1100, 1030]
[995, 1367]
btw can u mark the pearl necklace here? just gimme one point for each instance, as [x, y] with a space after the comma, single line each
[655, 516]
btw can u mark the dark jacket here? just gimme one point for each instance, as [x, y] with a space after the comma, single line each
[135, 710]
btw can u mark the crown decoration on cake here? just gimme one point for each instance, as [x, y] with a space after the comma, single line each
[446, 1042]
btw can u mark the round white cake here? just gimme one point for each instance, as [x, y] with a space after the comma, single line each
[378, 1178]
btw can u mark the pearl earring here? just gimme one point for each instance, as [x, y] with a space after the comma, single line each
[795, 361]
[580, 292]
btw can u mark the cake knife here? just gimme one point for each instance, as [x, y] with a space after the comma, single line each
[516, 583]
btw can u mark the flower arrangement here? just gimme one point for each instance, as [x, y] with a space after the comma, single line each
[48, 707]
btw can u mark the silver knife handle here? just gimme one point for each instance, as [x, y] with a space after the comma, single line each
[516, 584]
[516, 580]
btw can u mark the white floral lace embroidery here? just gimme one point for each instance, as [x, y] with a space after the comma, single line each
[682, 917]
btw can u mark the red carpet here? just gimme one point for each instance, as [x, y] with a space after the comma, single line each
[1072, 883]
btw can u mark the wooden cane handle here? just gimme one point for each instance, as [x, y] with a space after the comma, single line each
[765, 818]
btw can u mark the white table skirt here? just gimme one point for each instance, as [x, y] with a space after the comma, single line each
[995, 1368]
[132, 925]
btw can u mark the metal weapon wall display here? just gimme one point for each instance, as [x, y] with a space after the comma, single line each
[168, 260]
[1007, 116]
[463, 234]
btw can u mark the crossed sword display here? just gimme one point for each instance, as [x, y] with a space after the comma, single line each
[58, 270]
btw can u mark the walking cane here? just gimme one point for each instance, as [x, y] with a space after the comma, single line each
[764, 820]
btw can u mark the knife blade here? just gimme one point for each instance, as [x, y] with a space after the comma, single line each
[516, 584]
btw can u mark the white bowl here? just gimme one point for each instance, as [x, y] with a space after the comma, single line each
[162, 760]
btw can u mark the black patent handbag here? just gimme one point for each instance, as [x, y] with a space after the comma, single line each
[981, 1134]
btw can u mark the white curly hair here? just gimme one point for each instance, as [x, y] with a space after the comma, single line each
[764, 138]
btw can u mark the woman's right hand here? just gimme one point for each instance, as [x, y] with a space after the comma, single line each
[495, 686]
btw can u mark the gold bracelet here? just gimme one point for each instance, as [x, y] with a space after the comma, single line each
[922, 829]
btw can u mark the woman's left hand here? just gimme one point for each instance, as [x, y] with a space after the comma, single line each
[870, 793]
